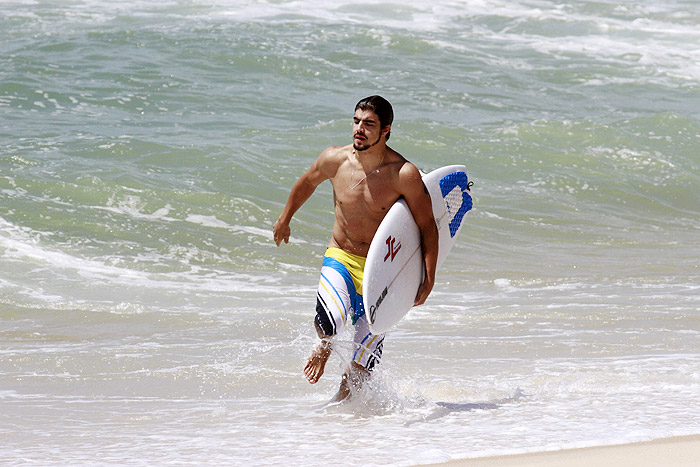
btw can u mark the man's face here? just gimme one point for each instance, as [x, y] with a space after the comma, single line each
[366, 130]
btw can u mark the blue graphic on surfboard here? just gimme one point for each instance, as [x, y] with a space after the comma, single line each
[394, 268]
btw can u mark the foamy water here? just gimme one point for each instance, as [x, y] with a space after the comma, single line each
[146, 149]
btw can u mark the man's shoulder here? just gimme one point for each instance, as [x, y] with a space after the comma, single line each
[331, 159]
[408, 177]
[407, 171]
[338, 153]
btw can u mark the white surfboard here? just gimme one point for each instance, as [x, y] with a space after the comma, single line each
[394, 268]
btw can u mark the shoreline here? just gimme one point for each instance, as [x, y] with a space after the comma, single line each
[678, 451]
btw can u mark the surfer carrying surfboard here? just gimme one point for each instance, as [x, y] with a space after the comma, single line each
[367, 177]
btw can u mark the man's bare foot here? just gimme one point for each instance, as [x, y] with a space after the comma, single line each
[316, 363]
[353, 379]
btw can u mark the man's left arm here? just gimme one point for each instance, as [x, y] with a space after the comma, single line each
[416, 195]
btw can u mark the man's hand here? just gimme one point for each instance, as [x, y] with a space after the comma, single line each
[423, 291]
[281, 232]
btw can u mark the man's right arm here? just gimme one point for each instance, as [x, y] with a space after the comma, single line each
[302, 191]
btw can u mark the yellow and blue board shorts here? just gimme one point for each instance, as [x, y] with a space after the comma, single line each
[339, 300]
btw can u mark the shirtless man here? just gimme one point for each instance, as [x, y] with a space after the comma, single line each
[367, 178]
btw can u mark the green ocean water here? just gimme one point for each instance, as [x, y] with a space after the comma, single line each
[146, 149]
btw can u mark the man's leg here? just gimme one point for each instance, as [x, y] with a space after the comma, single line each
[368, 352]
[353, 379]
[333, 302]
[316, 363]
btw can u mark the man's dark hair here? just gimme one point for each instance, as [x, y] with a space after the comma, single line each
[379, 106]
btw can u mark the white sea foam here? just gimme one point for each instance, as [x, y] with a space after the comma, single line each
[28, 255]
[133, 206]
[207, 221]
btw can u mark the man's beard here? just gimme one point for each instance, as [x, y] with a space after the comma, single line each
[365, 147]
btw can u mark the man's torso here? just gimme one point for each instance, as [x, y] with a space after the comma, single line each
[361, 204]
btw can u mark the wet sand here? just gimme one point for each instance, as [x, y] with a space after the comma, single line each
[672, 452]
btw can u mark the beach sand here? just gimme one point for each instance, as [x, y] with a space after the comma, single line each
[670, 452]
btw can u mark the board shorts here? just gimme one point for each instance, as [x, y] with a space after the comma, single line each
[339, 301]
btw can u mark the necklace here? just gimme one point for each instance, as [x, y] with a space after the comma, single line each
[354, 152]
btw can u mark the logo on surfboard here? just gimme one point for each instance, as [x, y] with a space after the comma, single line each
[373, 308]
[392, 248]
[458, 201]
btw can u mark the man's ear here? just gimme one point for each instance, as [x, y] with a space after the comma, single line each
[386, 130]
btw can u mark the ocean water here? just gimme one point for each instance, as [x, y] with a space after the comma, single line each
[146, 149]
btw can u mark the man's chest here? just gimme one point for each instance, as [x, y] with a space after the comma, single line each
[371, 197]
